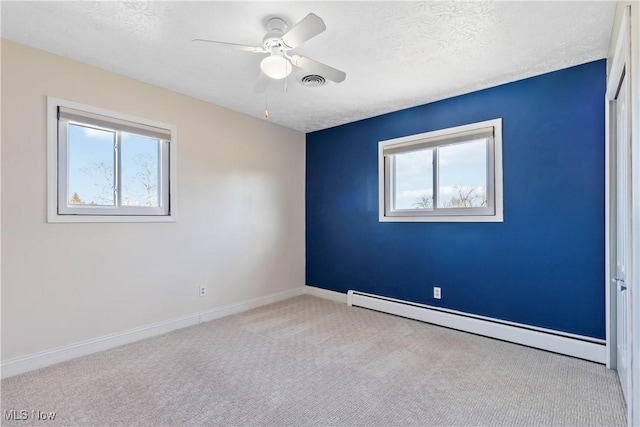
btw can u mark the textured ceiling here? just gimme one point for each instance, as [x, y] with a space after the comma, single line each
[395, 54]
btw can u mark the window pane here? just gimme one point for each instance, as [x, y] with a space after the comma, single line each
[90, 153]
[462, 175]
[413, 180]
[140, 161]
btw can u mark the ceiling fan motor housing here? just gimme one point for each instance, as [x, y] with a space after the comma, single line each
[276, 28]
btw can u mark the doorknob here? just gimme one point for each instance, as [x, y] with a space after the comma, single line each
[620, 281]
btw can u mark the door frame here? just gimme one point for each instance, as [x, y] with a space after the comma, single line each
[627, 62]
[618, 67]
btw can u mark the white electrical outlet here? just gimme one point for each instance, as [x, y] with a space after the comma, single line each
[203, 290]
[437, 292]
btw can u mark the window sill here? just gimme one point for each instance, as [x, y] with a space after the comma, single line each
[447, 218]
[55, 218]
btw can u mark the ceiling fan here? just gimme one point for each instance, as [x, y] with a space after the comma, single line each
[278, 42]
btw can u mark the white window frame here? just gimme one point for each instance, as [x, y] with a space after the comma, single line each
[494, 210]
[57, 208]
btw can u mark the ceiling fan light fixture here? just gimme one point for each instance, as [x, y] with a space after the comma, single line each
[275, 66]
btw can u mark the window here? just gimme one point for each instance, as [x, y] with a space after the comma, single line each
[108, 167]
[449, 175]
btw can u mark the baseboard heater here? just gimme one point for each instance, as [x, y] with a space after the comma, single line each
[546, 339]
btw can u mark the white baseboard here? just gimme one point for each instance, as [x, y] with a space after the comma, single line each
[326, 294]
[46, 358]
[546, 339]
[572, 345]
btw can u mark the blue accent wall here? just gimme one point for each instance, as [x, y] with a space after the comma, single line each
[543, 266]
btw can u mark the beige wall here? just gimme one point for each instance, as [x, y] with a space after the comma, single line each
[240, 213]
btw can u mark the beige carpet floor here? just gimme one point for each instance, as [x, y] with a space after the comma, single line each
[308, 361]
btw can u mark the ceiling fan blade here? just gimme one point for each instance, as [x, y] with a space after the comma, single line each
[310, 26]
[236, 46]
[319, 68]
[262, 83]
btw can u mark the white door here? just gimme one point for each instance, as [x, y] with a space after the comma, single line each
[623, 234]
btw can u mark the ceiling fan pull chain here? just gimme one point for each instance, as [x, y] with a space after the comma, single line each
[266, 106]
[286, 84]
